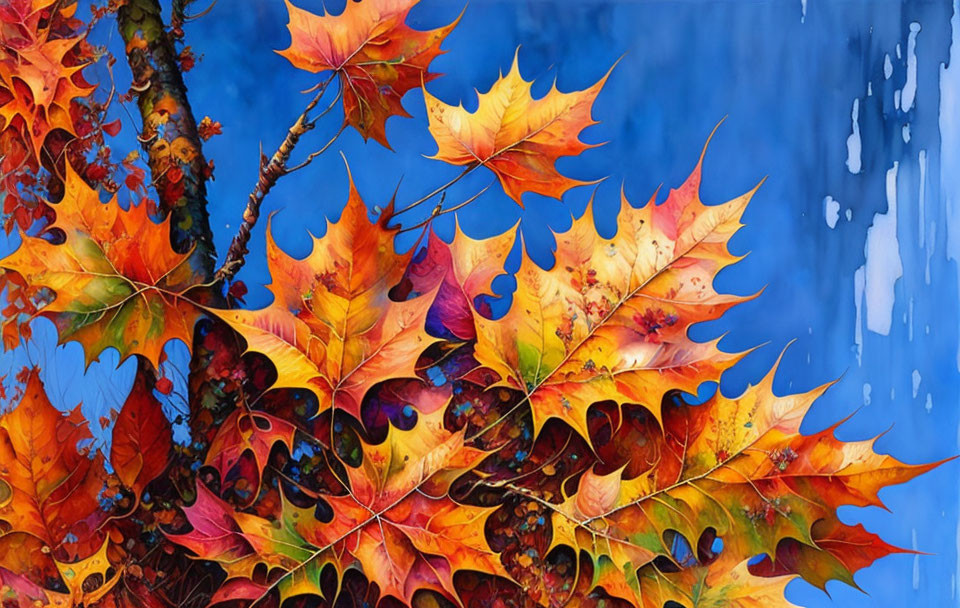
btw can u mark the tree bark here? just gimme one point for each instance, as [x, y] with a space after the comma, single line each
[169, 136]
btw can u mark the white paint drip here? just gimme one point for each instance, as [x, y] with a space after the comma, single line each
[803, 11]
[887, 67]
[910, 86]
[950, 146]
[916, 561]
[929, 404]
[909, 321]
[867, 389]
[831, 211]
[916, 379]
[849, 214]
[922, 198]
[858, 283]
[905, 133]
[883, 267]
[853, 141]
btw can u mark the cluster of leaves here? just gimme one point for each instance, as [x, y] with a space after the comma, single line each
[387, 439]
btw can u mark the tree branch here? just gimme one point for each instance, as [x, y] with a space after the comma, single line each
[270, 172]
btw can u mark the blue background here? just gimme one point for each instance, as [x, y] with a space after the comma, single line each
[787, 75]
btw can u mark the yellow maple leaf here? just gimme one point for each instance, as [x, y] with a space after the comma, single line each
[609, 320]
[517, 137]
[739, 468]
[332, 327]
[40, 88]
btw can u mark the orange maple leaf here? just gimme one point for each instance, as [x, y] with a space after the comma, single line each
[395, 523]
[378, 57]
[115, 281]
[739, 468]
[609, 321]
[51, 488]
[518, 137]
[252, 431]
[37, 88]
[332, 327]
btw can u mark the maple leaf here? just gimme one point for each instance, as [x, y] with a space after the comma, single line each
[27, 569]
[52, 488]
[248, 430]
[332, 327]
[142, 438]
[378, 57]
[518, 137]
[722, 583]
[464, 270]
[116, 280]
[207, 128]
[740, 468]
[397, 523]
[609, 321]
[238, 541]
[37, 88]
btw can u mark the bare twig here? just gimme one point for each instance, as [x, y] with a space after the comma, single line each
[439, 210]
[269, 173]
[317, 153]
[438, 190]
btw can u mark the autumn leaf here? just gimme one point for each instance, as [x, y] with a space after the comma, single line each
[739, 468]
[22, 564]
[517, 137]
[142, 438]
[252, 431]
[238, 541]
[208, 128]
[464, 270]
[37, 579]
[332, 327]
[609, 320]
[37, 88]
[116, 281]
[398, 523]
[79, 576]
[53, 488]
[721, 583]
[377, 56]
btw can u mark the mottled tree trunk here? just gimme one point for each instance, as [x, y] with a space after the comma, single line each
[169, 136]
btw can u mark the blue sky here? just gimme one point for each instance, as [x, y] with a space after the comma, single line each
[847, 108]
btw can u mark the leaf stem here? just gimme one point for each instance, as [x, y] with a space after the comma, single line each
[438, 190]
[439, 210]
